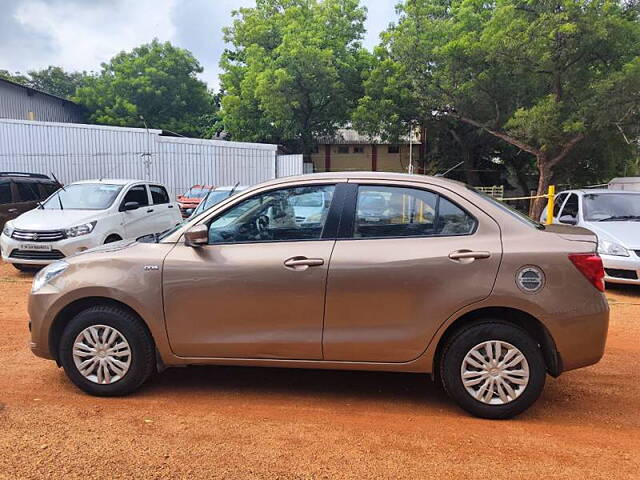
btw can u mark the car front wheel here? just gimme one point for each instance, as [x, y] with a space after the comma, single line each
[106, 351]
[493, 369]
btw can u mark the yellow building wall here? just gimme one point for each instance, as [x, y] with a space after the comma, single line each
[386, 162]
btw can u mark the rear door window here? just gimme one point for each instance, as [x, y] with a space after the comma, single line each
[5, 193]
[159, 194]
[383, 211]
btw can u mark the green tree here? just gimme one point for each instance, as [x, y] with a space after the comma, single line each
[292, 70]
[543, 76]
[156, 82]
[56, 81]
[53, 80]
[16, 77]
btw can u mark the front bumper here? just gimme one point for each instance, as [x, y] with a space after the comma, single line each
[13, 253]
[624, 270]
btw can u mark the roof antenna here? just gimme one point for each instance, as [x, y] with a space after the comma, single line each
[452, 168]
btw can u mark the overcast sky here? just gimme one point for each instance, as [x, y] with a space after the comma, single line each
[81, 34]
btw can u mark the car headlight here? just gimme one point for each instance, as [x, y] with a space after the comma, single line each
[607, 247]
[78, 230]
[47, 274]
[7, 230]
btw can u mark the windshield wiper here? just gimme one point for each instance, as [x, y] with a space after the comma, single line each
[62, 187]
[620, 217]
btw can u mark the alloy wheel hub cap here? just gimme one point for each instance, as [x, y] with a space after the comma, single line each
[495, 372]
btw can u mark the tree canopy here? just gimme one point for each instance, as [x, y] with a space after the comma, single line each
[155, 83]
[53, 80]
[292, 70]
[542, 76]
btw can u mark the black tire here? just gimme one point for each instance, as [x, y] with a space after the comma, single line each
[140, 343]
[464, 341]
[112, 239]
[26, 268]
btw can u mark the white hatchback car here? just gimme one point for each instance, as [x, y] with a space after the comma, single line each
[84, 215]
[614, 216]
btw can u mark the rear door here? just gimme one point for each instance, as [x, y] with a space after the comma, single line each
[165, 213]
[406, 259]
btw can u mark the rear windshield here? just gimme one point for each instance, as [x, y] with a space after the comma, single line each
[507, 209]
[83, 196]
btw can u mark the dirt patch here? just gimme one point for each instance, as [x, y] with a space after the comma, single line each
[214, 422]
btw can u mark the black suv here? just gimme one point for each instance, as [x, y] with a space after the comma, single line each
[20, 192]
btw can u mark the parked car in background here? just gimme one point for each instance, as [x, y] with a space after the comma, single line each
[190, 199]
[20, 192]
[478, 295]
[614, 216]
[214, 197]
[83, 215]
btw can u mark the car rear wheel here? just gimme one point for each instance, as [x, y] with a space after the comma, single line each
[106, 351]
[493, 369]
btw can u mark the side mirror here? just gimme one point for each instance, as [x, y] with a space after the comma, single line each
[189, 211]
[196, 236]
[129, 206]
[568, 219]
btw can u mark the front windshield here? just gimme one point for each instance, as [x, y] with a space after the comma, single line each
[83, 196]
[196, 192]
[213, 198]
[603, 207]
[511, 211]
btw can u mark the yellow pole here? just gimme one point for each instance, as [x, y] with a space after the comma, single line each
[551, 197]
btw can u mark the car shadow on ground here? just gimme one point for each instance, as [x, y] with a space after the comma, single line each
[410, 388]
[622, 289]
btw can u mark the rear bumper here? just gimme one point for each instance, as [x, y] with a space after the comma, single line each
[580, 340]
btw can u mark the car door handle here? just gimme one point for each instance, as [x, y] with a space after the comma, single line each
[302, 263]
[13, 210]
[468, 254]
[170, 206]
[150, 210]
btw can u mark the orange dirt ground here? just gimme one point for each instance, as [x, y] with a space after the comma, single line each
[239, 423]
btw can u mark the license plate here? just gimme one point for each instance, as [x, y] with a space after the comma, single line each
[36, 247]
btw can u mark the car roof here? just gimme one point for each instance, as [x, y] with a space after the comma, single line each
[368, 175]
[111, 181]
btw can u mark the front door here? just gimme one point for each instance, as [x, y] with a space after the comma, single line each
[406, 263]
[257, 290]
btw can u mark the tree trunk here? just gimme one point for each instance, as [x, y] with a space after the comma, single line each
[544, 180]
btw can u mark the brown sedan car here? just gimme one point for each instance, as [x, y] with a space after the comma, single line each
[363, 271]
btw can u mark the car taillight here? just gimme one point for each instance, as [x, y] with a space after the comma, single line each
[590, 265]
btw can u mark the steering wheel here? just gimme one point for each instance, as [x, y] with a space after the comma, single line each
[262, 224]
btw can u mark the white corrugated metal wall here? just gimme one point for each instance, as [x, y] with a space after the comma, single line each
[79, 152]
[288, 165]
